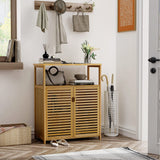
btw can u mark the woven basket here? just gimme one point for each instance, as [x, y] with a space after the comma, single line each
[16, 136]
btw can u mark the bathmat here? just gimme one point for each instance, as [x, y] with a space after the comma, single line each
[105, 154]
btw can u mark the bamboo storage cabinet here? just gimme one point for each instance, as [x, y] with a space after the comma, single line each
[66, 112]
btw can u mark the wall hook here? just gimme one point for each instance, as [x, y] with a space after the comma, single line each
[51, 6]
[69, 7]
[80, 7]
[88, 8]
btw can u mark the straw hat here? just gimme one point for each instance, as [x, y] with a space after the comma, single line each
[60, 6]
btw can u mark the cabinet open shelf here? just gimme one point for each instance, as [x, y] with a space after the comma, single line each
[67, 85]
[11, 65]
[67, 64]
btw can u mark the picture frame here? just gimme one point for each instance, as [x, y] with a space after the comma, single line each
[126, 15]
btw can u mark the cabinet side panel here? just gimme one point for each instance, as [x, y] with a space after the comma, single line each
[39, 128]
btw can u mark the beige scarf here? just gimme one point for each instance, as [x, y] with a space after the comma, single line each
[61, 37]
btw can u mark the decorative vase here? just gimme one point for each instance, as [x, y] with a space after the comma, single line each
[45, 55]
[87, 59]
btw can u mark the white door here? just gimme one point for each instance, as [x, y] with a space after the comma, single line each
[154, 77]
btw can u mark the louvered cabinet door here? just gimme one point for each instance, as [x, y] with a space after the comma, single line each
[59, 112]
[39, 113]
[86, 111]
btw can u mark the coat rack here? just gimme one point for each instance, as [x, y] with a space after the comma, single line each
[71, 7]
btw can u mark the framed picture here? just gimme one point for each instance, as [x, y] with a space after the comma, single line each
[126, 15]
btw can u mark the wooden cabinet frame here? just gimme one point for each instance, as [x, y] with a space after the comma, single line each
[41, 105]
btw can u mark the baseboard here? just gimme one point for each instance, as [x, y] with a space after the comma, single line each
[125, 132]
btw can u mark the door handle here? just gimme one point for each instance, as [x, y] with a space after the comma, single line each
[73, 99]
[153, 59]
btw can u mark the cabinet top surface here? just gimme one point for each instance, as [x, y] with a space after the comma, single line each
[68, 64]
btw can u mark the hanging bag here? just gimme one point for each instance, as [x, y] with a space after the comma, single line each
[55, 77]
[80, 22]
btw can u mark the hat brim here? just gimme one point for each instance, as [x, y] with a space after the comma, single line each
[60, 6]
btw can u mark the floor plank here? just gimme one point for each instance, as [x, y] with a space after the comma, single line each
[25, 152]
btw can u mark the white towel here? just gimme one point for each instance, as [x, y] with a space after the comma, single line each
[42, 19]
[61, 37]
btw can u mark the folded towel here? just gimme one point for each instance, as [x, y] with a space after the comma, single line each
[17, 46]
[61, 37]
[42, 19]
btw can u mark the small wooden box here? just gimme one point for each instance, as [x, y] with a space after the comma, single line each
[16, 136]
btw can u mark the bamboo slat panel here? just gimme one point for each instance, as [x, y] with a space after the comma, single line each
[58, 112]
[86, 110]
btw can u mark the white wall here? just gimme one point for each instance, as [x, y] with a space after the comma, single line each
[118, 54]
[16, 87]
[132, 76]
[127, 80]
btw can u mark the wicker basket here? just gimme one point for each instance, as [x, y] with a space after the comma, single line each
[16, 136]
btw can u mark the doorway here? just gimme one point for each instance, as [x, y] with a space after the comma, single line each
[150, 71]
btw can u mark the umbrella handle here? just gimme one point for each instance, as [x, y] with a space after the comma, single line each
[112, 78]
[105, 76]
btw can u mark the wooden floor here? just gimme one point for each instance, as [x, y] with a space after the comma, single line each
[25, 152]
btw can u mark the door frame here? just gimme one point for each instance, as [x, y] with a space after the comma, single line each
[140, 67]
[141, 52]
